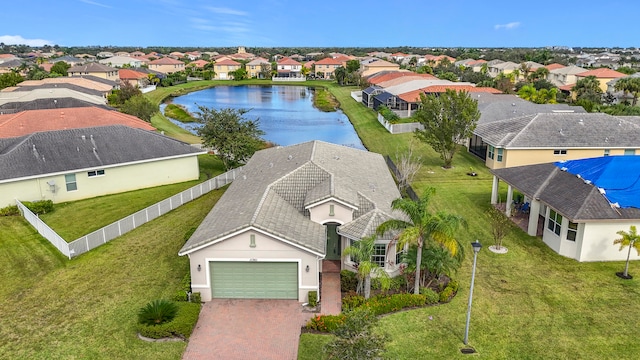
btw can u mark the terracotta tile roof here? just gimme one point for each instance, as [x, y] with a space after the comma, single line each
[227, 62]
[343, 59]
[126, 74]
[602, 73]
[288, 61]
[414, 96]
[554, 66]
[166, 61]
[31, 121]
[567, 87]
[199, 63]
[328, 61]
[374, 80]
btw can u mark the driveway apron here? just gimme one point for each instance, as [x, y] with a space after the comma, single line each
[247, 329]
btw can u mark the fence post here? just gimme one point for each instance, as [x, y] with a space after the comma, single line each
[104, 236]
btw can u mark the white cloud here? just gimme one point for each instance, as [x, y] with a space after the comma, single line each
[95, 3]
[19, 40]
[226, 11]
[509, 26]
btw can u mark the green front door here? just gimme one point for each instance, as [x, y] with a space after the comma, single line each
[333, 243]
[254, 280]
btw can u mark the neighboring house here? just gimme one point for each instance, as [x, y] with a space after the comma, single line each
[579, 215]
[288, 67]
[70, 60]
[200, 64]
[554, 66]
[11, 65]
[505, 67]
[122, 53]
[8, 57]
[291, 208]
[94, 69]
[54, 86]
[32, 121]
[74, 164]
[137, 53]
[435, 60]
[410, 101]
[166, 65]
[120, 61]
[326, 67]
[89, 82]
[86, 57]
[104, 54]
[176, 55]
[224, 68]
[565, 76]
[548, 137]
[49, 93]
[135, 78]
[44, 104]
[603, 75]
[254, 67]
[371, 66]
[620, 95]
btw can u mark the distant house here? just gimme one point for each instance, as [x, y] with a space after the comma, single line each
[255, 67]
[604, 75]
[372, 66]
[565, 76]
[579, 205]
[120, 61]
[137, 53]
[291, 208]
[199, 63]
[224, 68]
[166, 65]
[94, 69]
[325, 68]
[74, 164]
[49, 93]
[104, 87]
[135, 78]
[70, 60]
[288, 67]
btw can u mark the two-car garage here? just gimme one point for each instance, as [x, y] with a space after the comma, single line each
[254, 280]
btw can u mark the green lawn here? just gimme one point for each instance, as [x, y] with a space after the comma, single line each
[528, 304]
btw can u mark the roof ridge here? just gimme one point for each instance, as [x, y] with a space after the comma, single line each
[513, 139]
[546, 181]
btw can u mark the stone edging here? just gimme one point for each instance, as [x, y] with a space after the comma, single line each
[170, 339]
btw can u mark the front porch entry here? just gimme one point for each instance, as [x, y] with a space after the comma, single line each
[334, 251]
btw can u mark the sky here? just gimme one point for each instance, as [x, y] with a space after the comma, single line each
[327, 23]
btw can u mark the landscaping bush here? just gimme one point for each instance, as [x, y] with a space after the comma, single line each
[157, 312]
[11, 210]
[39, 207]
[325, 323]
[449, 291]
[383, 304]
[181, 326]
[431, 296]
[180, 295]
[351, 302]
[355, 338]
[313, 298]
[196, 298]
[388, 115]
[348, 281]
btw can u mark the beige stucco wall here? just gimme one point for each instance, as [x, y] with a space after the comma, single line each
[115, 180]
[167, 69]
[267, 249]
[222, 71]
[111, 75]
[520, 157]
[320, 213]
[370, 70]
[328, 70]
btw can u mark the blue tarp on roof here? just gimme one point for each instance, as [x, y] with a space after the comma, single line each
[617, 177]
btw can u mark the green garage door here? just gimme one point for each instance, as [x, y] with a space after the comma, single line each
[254, 280]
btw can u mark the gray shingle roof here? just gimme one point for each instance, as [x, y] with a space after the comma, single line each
[39, 104]
[66, 150]
[494, 107]
[277, 183]
[566, 130]
[563, 192]
[366, 225]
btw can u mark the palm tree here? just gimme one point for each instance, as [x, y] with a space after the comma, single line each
[629, 85]
[423, 226]
[589, 89]
[630, 239]
[361, 252]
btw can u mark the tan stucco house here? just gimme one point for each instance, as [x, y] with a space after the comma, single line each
[94, 69]
[325, 68]
[166, 65]
[224, 68]
[291, 208]
[371, 66]
[577, 217]
[74, 164]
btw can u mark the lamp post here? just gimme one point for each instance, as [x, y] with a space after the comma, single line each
[476, 249]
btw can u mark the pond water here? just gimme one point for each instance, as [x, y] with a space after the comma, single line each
[286, 113]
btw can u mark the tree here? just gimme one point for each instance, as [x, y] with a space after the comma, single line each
[126, 92]
[447, 120]
[355, 338]
[423, 226]
[630, 239]
[436, 262]
[500, 226]
[239, 74]
[629, 85]
[340, 73]
[10, 79]
[448, 76]
[362, 252]
[588, 89]
[233, 137]
[60, 68]
[408, 166]
[265, 71]
[353, 66]
[140, 107]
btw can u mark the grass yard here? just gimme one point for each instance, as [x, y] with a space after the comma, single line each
[528, 304]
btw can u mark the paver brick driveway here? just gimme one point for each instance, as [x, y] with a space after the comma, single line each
[247, 329]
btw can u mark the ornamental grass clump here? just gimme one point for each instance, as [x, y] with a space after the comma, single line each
[157, 312]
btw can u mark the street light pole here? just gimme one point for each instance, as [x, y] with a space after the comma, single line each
[476, 249]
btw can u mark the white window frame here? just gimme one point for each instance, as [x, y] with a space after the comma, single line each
[560, 152]
[71, 185]
[554, 222]
[377, 257]
[499, 154]
[490, 151]
[94, 173]
[572, 231]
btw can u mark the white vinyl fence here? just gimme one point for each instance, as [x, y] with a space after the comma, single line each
[122, 226]
[399, 128]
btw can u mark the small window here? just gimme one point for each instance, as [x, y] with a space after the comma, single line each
[332, 211]
[555, 222]
[500, 151]
[95, 173]
[606, 152]
[490, 150]
[70, 181]
[560, 152]
[629, 151]
[572, 231]
[399, 253]
[379, 254]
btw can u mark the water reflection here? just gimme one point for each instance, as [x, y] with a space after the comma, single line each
[286, 113]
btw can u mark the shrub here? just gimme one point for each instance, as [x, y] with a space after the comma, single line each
[348, 281]
[181, 326]
[39, 207]
[431, 296]
[449, 291]
[384, 304]
[180, 295]
[157, 312]
[351, 302]
[11, 210]
[325, 323]
[388, 115]
[196, 297]
[313, 298]
[355, 338]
